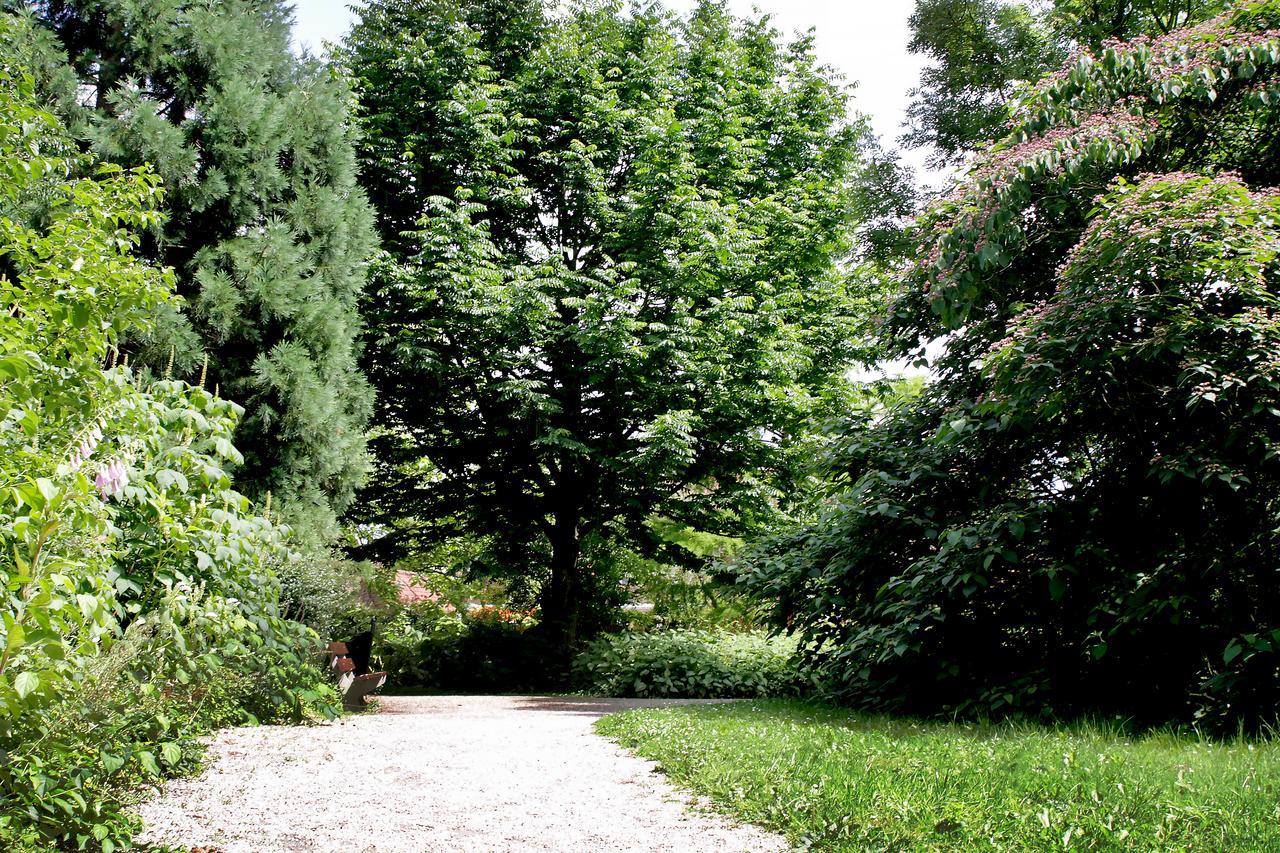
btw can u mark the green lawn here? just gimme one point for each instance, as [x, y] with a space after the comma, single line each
[836, 780]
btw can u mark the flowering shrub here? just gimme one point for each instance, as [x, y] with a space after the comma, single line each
[1077, 515]
[1137, 101]
[138, 596]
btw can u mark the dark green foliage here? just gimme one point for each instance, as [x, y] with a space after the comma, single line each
[266, 228]
[622, 296]
[423, 72]
[1079, 511]
[689, 664]
[496, 657]
[486, 651]
[982, 52]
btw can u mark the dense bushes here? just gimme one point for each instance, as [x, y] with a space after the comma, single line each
[139, 603]
[693, 664]
[490, 650]
[1078, 514]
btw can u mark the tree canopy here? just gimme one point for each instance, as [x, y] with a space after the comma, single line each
[265, 226]
[983, 51]
[1077, 514]
[621, 298]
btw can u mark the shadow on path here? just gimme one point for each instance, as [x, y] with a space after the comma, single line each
[583, 706]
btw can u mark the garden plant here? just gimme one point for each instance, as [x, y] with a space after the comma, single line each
[560, 344]
[140, 605]
[1077, 512]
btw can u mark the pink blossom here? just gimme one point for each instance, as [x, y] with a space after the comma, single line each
[112, 479]
[86, 447]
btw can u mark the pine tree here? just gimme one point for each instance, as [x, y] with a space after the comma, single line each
[267, 228]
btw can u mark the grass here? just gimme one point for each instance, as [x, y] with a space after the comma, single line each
[831, 779]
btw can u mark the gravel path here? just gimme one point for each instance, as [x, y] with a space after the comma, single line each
[431, 773]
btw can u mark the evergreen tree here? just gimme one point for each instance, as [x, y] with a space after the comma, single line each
[266, 226]
[621, 298]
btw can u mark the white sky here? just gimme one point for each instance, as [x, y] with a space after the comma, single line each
[865, 40]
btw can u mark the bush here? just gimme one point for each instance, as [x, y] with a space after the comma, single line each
[405, 645]
[1078, 515]
[691, 664]
[139, 593]
[330, 594]
[492, 650]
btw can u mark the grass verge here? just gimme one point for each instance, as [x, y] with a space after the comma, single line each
[831, 779]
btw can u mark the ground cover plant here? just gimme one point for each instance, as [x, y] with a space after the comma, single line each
[715, 664]
[1077, 514]
[833, 779]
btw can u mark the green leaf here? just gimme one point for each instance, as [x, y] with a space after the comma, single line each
[148, 761]
[169, 478]
[79, 315]
[17, 636]
[47, 489]
[1232, 652]
[26, 683]
[171, 753]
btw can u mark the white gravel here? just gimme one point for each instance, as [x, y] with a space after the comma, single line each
[430, 773]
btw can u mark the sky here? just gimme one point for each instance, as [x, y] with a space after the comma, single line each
[865, 40]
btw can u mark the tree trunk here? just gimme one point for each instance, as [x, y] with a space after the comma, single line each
[562, 597]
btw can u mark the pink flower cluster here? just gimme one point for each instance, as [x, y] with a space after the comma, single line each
[112, 479]
[1000, 171]
[86, 447]
[1166, 205]
[1118, 124]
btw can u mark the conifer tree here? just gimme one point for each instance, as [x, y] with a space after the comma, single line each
[267, 229]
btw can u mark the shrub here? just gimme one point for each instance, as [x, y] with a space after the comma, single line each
[1078, 515]
[491, 650]
[406, 645]
[330, 594]
[691, 664]
[139, 597]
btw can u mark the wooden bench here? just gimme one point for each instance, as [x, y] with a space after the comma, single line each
[354, 685]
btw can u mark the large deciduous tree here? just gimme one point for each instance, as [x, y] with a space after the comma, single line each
[621, 296]
[982, 51]
[1080, 511]
[266, 227]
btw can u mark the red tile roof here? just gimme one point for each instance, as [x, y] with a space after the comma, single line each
[412, 590]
